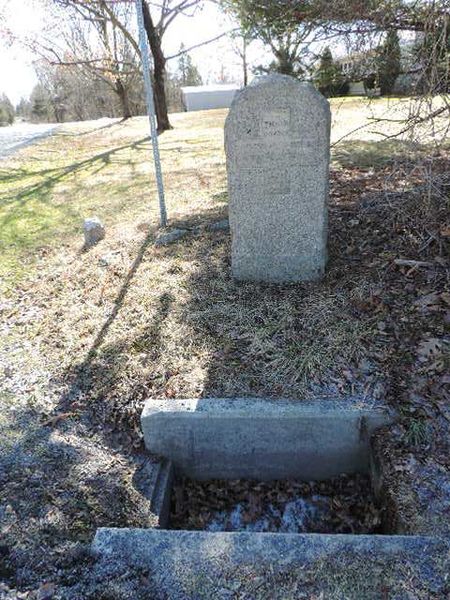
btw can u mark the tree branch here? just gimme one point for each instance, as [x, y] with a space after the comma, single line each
[214, 39]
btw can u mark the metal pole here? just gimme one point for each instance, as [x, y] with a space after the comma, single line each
[151, 111]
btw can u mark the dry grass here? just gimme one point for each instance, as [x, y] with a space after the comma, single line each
[127, 319]
[86, 336]
[105, 169]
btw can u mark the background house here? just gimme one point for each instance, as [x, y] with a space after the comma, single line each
[362, 70]
[204, 97]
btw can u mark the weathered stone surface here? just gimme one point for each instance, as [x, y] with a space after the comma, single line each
[93, 231]
[183, 565]
[222, 225]
[277, 145]
[170, 237]
[259, 438]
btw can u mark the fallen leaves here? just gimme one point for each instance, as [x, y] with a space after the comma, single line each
[341, 505]
[432, 302]
[445, 297]
[428, 302]
[432, 349]
[445, 231]
[46, 591]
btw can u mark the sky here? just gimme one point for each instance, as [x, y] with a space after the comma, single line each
[17, 75]
[25, 17]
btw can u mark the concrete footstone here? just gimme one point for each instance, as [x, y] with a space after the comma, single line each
[254, 438]
[265, 438]
[192, 564]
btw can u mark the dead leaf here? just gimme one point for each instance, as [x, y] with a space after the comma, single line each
[428, 302]
[445, 297]
[53, 421]
[436, 367]
[46, 591]
[429, 348]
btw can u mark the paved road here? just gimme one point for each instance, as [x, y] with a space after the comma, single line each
[15, 137]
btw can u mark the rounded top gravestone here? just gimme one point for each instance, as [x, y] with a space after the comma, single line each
[277, 144]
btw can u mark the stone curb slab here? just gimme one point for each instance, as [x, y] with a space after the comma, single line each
[188, 564]
[254, 438]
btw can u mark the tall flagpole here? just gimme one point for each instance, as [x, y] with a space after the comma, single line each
[151, 111]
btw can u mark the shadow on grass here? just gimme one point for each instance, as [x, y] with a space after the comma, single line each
[116, 122]
[222, 316]
[58, 486]
[165, 298]
[30, 216]
[118, 302]
[54, 176]
[32, 464]
[376, 154]
[226, 318]
[211, 298]
[85, 374]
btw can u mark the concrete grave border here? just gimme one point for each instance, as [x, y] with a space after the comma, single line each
[254, 438]
[262, 439]
[198, 564]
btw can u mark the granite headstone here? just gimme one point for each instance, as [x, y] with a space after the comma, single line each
[277, 143]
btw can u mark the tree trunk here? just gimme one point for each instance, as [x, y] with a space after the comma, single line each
[123, 97]
[244, 61]
[159, 71]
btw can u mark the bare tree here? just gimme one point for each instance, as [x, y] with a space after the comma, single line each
[155, 34]
[74, 93]
[240, 41]
[94, 42]
[100, 37]
[156, 22]
[158, 16]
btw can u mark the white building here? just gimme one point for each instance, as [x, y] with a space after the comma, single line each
[204, 97]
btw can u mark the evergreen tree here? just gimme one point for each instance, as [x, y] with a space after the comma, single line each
[6, 111]
[41, 108]
[329, 77]
[389, 62]
[187, 71]
[23, 109]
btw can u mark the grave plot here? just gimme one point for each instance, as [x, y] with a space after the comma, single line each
[264, 465]
[255, 493]
[271, 538]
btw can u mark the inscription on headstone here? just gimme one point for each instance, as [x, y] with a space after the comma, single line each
[277, 143]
